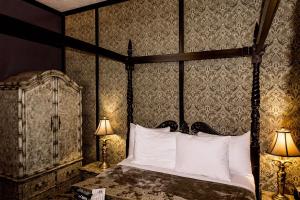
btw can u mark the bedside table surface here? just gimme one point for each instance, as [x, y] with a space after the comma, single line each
[93, 168]
[266, 195]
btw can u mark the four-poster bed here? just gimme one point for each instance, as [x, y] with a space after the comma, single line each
[24, 30]
[108, 179]
[268, 10]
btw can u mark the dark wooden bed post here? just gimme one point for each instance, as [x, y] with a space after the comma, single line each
[255, 116]
[268, 11]
[129, 69]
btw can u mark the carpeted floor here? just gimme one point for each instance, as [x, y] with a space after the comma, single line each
[62, 197]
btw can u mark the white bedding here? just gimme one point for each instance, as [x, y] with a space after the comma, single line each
[246, 182]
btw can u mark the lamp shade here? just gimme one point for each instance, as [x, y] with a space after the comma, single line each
[283, 144]
[104, 127]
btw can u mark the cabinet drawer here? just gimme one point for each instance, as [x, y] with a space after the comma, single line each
[38, 185]
[45, 195]
[68, 172]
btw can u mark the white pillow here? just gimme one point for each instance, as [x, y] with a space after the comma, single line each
[205, 156]
[154, 148]
[239, 153]
[132, 137]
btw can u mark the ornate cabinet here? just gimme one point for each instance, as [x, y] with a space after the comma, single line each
[40, 131]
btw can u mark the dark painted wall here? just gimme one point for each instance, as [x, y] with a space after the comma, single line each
[18, 55]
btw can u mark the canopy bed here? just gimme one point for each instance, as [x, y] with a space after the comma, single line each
[122, 182]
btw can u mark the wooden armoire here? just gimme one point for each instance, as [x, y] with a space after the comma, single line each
[40, 134]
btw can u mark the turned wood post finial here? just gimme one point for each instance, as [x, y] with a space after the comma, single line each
[129, 51]
[129, 64]
[256, 29]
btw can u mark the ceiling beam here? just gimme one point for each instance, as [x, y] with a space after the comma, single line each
[268, 11]
[44, 7]
[202, 55]
[17, 28]
[93, 6]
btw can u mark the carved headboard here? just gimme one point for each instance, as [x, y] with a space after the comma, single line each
[169, 123]
[203, 127]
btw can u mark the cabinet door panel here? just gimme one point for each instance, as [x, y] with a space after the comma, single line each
[68, 135]
[39, 109]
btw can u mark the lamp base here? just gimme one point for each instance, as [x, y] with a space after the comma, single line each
[104, 165]
[281, 175]
[279, 197]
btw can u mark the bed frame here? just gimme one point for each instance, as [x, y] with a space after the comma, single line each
[202, 126]
[268, 10]
[20, 29]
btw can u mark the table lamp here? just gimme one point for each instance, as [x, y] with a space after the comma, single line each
[282, 145]
[104, 128]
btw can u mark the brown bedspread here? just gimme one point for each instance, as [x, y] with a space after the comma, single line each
[123, 182]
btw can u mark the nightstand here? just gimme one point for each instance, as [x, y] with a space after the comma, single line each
[266, 195]
[91, 170]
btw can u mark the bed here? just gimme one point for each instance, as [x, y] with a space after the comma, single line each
[131, 181]
[127, 181]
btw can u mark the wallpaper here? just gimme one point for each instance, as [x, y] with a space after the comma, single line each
[280, 86]
[81, 26]
[80, 67]
[219, 24]
[113, 105]
[156, 89]
[216, 91]
[151, 24]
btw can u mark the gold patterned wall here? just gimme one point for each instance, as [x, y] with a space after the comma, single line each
[153, 28]
[151, 24]
[156, 90]
[216, 91]
[113, 105]
[81, 26]
[219, 24]
[80, 66]
[280, 84]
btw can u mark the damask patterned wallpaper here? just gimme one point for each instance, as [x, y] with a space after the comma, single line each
[153, 27]
[280, 100]
[219, 24]
[80, 68]
[156, 89]
[216, 91]
[81, 26]
[219, 91]
[151, 24]
[113, 104]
